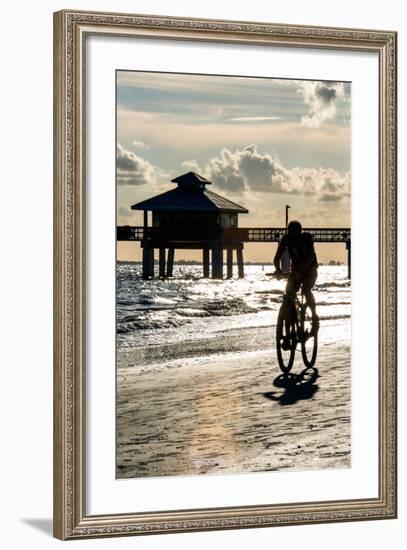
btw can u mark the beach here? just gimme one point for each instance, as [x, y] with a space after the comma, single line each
[199, 390]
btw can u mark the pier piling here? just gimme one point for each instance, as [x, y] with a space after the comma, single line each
[146, 261]
[229, 261]
[161, 262]
[170, 262]
[240, 265]
[205, 262]
[217, 263]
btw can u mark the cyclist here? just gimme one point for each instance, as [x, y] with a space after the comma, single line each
[304, 265]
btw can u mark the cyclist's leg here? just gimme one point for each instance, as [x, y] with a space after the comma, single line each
[291, 289]
[292, 286]
[308, 282]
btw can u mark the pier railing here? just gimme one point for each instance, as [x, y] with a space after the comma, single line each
[243, 234]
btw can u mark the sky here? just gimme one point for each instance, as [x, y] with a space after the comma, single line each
[262, 142]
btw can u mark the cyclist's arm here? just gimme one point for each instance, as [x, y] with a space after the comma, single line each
[280, 251]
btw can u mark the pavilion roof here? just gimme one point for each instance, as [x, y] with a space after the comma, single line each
[190, 195]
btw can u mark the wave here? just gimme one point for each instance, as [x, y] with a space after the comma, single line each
[331, 284]
[166, 317]
[234, 306]
[148, 323]
[271, 291]
[191, 307]
[321, 303]
[333, 317]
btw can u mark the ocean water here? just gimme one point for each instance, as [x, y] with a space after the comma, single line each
[187, 315]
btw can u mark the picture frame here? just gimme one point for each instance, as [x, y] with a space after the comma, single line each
[72, 520]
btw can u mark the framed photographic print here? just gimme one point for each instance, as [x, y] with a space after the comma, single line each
[225, 274]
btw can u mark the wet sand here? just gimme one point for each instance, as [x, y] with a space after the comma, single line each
[232, 413]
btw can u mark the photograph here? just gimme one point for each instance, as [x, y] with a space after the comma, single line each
[233, 274]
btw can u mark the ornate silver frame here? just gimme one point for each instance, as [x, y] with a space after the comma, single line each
[70, 518]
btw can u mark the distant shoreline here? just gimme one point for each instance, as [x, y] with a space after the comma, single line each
[186, 262]
[197, 263]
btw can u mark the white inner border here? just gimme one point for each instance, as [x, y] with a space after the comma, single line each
[105, 494]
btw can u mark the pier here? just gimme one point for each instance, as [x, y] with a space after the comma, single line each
[230, 235]
[192, 217]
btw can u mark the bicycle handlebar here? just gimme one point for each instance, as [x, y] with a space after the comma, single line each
[281, 275]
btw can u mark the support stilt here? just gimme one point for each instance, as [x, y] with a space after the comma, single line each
[161, 262]
[170, 262]
[229, 261]
[146, 261]
[217, 263]
[151, 262]
[240, 266]
[348, 247]
[205, 261]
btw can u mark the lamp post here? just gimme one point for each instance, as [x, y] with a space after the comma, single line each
[287, 206]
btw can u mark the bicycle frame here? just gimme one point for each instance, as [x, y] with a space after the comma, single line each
[298, 305]
[296, 326]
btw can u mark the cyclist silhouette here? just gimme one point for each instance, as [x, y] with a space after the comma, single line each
[304, 265]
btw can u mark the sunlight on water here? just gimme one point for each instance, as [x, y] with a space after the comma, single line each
[229, 315]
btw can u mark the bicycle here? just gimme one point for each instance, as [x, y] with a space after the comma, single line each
[295, 326]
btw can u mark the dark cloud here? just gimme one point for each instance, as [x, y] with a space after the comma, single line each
[330, 197]
[326, 94]
[229, 181]
[321, 99]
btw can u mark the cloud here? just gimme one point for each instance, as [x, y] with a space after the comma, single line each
[132, 169]
[333, 187]
[124, 212]
[326, 184]
[225, 172]
[140, 145]
[252, 118]
[246, 169]
[249, 170]
[321, 99]
[191, 166]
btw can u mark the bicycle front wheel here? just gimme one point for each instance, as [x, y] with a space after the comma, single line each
[286, 337]
[309, 338]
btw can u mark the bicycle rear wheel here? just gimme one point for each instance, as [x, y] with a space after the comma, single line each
[309, 338]
[286, 337]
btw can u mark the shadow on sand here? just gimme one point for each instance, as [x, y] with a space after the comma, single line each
[295, 387]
